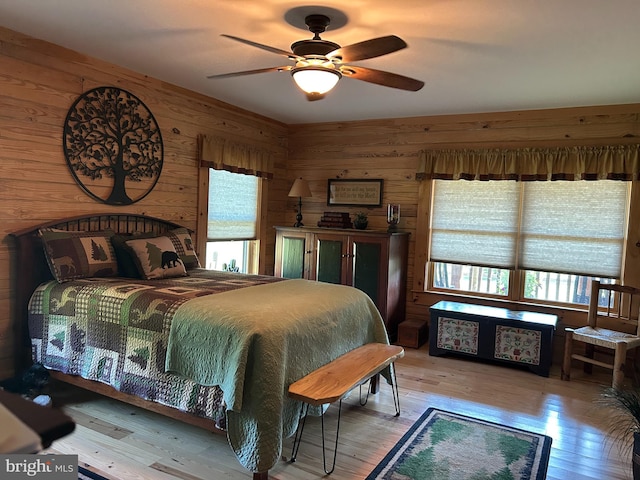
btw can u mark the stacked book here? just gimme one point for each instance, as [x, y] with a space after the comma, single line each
[335, 220]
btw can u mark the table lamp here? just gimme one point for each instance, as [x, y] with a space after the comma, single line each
[300, 188]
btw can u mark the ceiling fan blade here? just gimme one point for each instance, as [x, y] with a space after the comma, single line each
[251, 72]
[275, 50]
[380, 77]
[369, 49]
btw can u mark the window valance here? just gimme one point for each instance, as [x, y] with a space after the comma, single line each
[222, 154]
[619, 162]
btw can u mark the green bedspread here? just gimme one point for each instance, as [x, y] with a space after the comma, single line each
[267, 337]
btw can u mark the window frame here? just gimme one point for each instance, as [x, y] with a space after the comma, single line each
[423, 283]
[256, 249]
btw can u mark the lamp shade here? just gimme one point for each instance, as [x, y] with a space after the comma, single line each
[300, 188]
[317, 80]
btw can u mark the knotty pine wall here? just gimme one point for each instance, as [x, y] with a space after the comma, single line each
[38, 84]
[388, 149]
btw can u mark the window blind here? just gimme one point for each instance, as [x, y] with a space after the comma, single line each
[233, 206]
[563, 227]
[475, 222]
[574, 227]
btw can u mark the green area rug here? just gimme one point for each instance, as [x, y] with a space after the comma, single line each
[447, 446]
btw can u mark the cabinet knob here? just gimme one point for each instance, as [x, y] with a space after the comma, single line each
[308, 251]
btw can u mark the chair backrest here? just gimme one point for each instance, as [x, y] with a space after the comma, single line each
[618, 306]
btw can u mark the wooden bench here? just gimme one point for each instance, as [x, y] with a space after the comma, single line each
[333, 381]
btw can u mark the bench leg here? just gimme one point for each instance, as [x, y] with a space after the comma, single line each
[298, 437]
[394, 388]
[304, 409]
[335, 449]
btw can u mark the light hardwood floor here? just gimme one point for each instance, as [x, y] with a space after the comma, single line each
[124, 442]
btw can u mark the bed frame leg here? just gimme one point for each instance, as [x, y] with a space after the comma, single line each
[261, 475]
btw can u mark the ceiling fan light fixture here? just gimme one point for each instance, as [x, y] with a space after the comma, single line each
[315, 80]
[320, 64]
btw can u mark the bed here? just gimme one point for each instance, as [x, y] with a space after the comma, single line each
[214, 349]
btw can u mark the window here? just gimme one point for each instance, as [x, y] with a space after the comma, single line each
[233, 221]
[540, 241]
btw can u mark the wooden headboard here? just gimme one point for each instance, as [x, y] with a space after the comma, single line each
[31, 268]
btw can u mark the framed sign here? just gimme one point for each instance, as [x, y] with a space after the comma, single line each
[354, 192]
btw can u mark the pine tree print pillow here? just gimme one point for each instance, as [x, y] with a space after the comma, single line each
[74, 255]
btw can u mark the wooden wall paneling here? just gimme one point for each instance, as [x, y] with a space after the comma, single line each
[27, 81]
[28, 112]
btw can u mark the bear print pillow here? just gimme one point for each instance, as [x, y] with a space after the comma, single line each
[157, 258]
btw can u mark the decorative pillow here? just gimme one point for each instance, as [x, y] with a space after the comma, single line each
[127, 260]
[73, 255]
[157, 258]
[183, 244]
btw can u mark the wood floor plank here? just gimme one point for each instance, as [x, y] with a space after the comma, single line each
[124, 442]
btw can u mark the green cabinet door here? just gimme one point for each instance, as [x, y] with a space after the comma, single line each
[366, 268]
[329, 262]
[293, 257]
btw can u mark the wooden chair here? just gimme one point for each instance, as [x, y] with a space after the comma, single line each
[614, 326]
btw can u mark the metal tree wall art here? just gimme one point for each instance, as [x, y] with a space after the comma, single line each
[112, 138]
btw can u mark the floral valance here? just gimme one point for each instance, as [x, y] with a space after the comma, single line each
[222, 154]
[619, 162]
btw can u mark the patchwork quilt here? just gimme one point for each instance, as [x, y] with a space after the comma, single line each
[115, 331]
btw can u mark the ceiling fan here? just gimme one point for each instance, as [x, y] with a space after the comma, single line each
[319, 64]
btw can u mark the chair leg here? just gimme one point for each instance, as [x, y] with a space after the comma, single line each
[618, 365]
[589, 352]
[568, 350]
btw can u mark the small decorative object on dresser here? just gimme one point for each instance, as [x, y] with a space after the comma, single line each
[335, 220]
[360, 221]
[393, 216]
[412, 333]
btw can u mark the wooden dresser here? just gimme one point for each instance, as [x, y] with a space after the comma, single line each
[373, 261]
